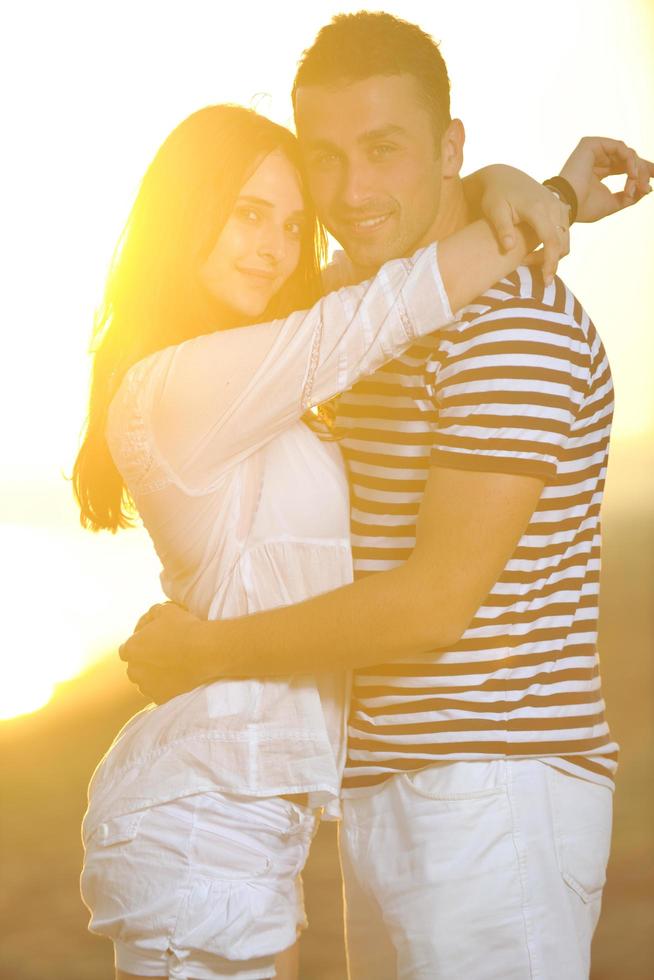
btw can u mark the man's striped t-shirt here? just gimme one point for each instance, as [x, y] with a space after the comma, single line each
[519, 384]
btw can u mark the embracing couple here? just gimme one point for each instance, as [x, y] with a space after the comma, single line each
[438, 414]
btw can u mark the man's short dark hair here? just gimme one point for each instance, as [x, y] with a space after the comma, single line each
[355, 46]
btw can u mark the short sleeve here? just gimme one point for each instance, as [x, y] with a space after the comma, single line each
[508, 388]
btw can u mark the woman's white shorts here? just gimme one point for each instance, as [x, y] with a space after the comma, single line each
[204, 887]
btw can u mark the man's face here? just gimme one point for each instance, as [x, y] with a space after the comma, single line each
[374, 165]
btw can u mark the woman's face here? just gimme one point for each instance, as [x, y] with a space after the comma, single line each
[259, 246]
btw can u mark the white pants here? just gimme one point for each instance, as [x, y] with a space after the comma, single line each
[475, 871]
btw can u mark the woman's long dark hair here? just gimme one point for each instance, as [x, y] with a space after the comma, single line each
[153, 296]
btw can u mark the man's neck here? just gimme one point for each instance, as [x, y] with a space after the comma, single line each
[453, 213]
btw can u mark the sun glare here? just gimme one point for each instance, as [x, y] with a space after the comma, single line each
[525, 98]
[63, 606]
[45, 618]
[24, 695]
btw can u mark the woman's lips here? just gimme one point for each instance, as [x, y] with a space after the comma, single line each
[261, 277]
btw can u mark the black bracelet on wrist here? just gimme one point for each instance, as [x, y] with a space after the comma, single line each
[565, 193]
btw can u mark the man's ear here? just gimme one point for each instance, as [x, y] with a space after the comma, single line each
[452, 149]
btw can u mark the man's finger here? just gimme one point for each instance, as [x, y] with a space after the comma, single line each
[130, 651]
[630, 166]
[618, 157]
[620, 200]
[635, 188]
[148, 616]
[630, 161]
[135, 673]
[133, 650]
[645, 174]
[150, 682]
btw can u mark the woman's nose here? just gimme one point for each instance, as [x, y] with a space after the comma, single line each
[272, 244]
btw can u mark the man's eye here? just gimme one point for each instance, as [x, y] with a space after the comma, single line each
[381, 150]
[324, 160]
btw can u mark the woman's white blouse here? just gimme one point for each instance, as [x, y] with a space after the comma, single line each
[248, 509]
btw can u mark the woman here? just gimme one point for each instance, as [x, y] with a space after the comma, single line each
[201, 814]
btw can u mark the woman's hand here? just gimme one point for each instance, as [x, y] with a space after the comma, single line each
[597, 157]
[164, 655]
[507, 197]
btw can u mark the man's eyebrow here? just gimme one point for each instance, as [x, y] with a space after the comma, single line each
[319, 144]
[383, 132]
[262, 202]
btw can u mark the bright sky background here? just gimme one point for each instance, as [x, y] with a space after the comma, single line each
[90, 91]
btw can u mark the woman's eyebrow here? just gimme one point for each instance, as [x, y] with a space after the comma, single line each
[248, 199]
[262, 202]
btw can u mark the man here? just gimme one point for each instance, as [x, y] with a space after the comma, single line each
[477, 794]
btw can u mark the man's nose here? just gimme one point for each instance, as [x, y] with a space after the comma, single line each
[357, 185]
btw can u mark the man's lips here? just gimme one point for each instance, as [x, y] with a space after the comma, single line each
[368, 224]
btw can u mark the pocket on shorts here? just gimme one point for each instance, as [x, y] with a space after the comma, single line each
[458, 781]
[105, 889]
[581, 816]
[238, 838]
[116, 830]
[226, 856]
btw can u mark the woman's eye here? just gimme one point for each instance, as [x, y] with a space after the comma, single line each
[294, 229]
[248, 214]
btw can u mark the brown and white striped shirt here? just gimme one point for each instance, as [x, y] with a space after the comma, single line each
[519, 384]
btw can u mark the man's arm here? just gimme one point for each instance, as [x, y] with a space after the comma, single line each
[468, 527]
[504, 196]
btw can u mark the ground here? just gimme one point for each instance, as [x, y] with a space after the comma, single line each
[48, 757]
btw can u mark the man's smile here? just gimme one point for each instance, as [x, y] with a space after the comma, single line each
[363, 225]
